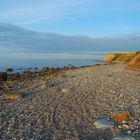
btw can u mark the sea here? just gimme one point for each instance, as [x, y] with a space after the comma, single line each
[20, 65]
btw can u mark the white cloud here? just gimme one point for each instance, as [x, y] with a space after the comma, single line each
[36, 11]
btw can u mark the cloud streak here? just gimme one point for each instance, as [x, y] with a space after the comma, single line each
[36, 11]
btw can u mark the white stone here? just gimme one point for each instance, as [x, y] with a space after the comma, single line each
[65, 90]
[123, 138]
[103, 123]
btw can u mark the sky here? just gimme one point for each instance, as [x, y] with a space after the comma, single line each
[93, 18]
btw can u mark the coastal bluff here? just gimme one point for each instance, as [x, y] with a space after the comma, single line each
[132, 59]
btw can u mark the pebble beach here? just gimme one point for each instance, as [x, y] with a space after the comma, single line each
[67, 105]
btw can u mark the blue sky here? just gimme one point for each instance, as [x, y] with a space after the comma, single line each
[94, 18]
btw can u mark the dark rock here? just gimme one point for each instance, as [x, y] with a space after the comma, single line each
[3, 76]
[9, 70]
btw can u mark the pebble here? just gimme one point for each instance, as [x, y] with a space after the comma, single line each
[103, 123]
[65, 90]
[129, 132]
[125, 127]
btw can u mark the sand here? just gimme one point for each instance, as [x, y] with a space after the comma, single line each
[65, 106]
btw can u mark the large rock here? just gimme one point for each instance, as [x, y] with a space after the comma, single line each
[123, 138]
[103, 123]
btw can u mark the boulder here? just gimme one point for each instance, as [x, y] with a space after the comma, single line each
[123, 138]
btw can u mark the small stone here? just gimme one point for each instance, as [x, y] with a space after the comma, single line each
[103, 123]
[125, 127]
[65, 90]
[129, 132]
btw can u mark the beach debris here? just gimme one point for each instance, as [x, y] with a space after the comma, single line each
[12, 96]
[122, 117]
[103, 123]
[123, 138]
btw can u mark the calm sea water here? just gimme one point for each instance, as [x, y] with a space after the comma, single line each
[31, 63]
